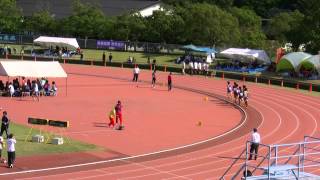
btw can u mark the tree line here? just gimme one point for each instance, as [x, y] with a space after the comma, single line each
[218, 23]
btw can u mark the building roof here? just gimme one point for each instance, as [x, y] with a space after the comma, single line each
[63, 8]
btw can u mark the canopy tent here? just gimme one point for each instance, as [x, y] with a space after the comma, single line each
[194, 48]
[247, 55]
[208, 51]
[45, 41]
[312, 63]
[32, 69]
[291, 61]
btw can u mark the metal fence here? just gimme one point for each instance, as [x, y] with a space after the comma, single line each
[146, 47]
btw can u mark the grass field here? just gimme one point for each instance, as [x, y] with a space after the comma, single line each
[118, 56]
[141, 58]
[123, 56]
[28, 148]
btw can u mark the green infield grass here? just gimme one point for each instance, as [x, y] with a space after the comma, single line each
[25, 147]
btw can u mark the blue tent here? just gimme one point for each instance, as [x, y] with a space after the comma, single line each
[194, 48]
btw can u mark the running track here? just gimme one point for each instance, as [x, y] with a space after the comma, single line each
[286, 117]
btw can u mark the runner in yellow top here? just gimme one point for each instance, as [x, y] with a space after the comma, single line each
[112, 116]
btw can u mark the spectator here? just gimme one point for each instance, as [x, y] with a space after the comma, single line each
[104, 57]
[22, 51]
[78, 50]
[148, 60]
[11, 90]
[46, 88]
[2, 88]
[29, 84]
[6, 88]
[54, 88]
[183, 67]
[35, 90]
[110, 57]
[191, 67]
[81, 56]
[130, 60]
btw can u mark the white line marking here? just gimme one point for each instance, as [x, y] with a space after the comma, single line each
[133, 157]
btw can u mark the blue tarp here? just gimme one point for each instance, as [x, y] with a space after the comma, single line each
[192, 47]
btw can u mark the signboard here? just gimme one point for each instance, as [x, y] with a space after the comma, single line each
[110, 44]
[37, 121]
[59, 123]
[8, 38]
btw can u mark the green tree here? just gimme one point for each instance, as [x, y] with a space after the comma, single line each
[250, 28]
[209, 25]
[10, 17]
[41, 23]
[165, 27]
[130, 27]
[159, 26]
[220, 3]
[285, 26]
[86, 21]
[310, 28]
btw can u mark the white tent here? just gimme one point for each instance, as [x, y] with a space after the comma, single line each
[247, 55]
[45, 41]
[33, 69]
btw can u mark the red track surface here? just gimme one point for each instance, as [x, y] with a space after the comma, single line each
[283, 117]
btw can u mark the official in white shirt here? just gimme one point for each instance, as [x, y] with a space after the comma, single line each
[136, 72]
[11, 142]
[255, 141]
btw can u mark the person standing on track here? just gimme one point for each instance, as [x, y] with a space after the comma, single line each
[170, 81]
[5, 124]
[255, 141]
[118, 109]
[112, 116]
[11, 142]
[136, 72]
[154, 78]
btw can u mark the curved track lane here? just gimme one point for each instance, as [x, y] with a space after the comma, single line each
[286, 117]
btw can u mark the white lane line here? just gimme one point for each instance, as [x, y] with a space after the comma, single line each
[159, 171]
[313, 131]
[133, 157]
[267, 135]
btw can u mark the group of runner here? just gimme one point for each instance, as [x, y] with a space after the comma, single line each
[237, 93]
